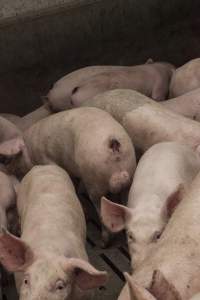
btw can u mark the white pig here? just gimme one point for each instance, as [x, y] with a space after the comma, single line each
[34, 116]
[137, 292]
[172, 268]
[118, 102]
[87, 142]
[187, 104]
[186, 78]
[49, 260]
[153, 123]
[12, 118]
[161, 175]
[151, 79]
[8, 185]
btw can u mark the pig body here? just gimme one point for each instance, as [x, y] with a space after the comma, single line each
[72, 90]
[8, 187]
[102, 157]
[186, 78]
[187, 104]
[162, 173]
[35, 116]
[176, 255]
[151, 124]
[23, 123]
[12, 118]
[8, 130]
[119, 102]
[50, 260]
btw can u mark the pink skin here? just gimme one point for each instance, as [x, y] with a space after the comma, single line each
[76, 141]
[50, 260]
[28, 120]
[187, 104]
[156, 190]
[8, 187]
[35, 116]
[151, 79]
[119, 102]
[186, 78]
[151, 124]
[177, 252]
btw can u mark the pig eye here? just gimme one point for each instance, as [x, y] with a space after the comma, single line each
[60, 285]
[156, 236]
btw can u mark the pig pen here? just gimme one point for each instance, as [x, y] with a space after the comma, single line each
[42, 40]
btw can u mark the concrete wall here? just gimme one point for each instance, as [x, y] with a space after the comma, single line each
[39, 42]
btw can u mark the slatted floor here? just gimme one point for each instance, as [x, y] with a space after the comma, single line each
[114, 260]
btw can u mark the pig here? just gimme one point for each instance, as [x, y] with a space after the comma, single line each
[187, 104]
[151, 79]
[136, 292]
[34, 116]
[172, 266]
[185, 79]
[103, 157]
[8, 189]
[12, 118]
[26, 121]
[162, 174]
[118, 102]
[9, 132]
[151, 124]
[50, 260]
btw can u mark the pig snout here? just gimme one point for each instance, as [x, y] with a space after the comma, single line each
[138, 253]
[119, 181]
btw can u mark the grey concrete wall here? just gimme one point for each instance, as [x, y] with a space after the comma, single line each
[37, 46]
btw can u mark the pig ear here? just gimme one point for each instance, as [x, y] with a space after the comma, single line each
[86, 276]
[15, 255]
[174, 199]
[11, 148]
[149, 61]
[162, 289]
[137, 292]
[114, 216]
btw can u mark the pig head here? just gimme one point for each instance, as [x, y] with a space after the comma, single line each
[52, 278]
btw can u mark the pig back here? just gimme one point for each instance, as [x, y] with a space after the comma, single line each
[51, 141]
[50, 211]
[151, 124]
[118, 102]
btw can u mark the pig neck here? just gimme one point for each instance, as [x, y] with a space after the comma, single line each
[57, 229]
